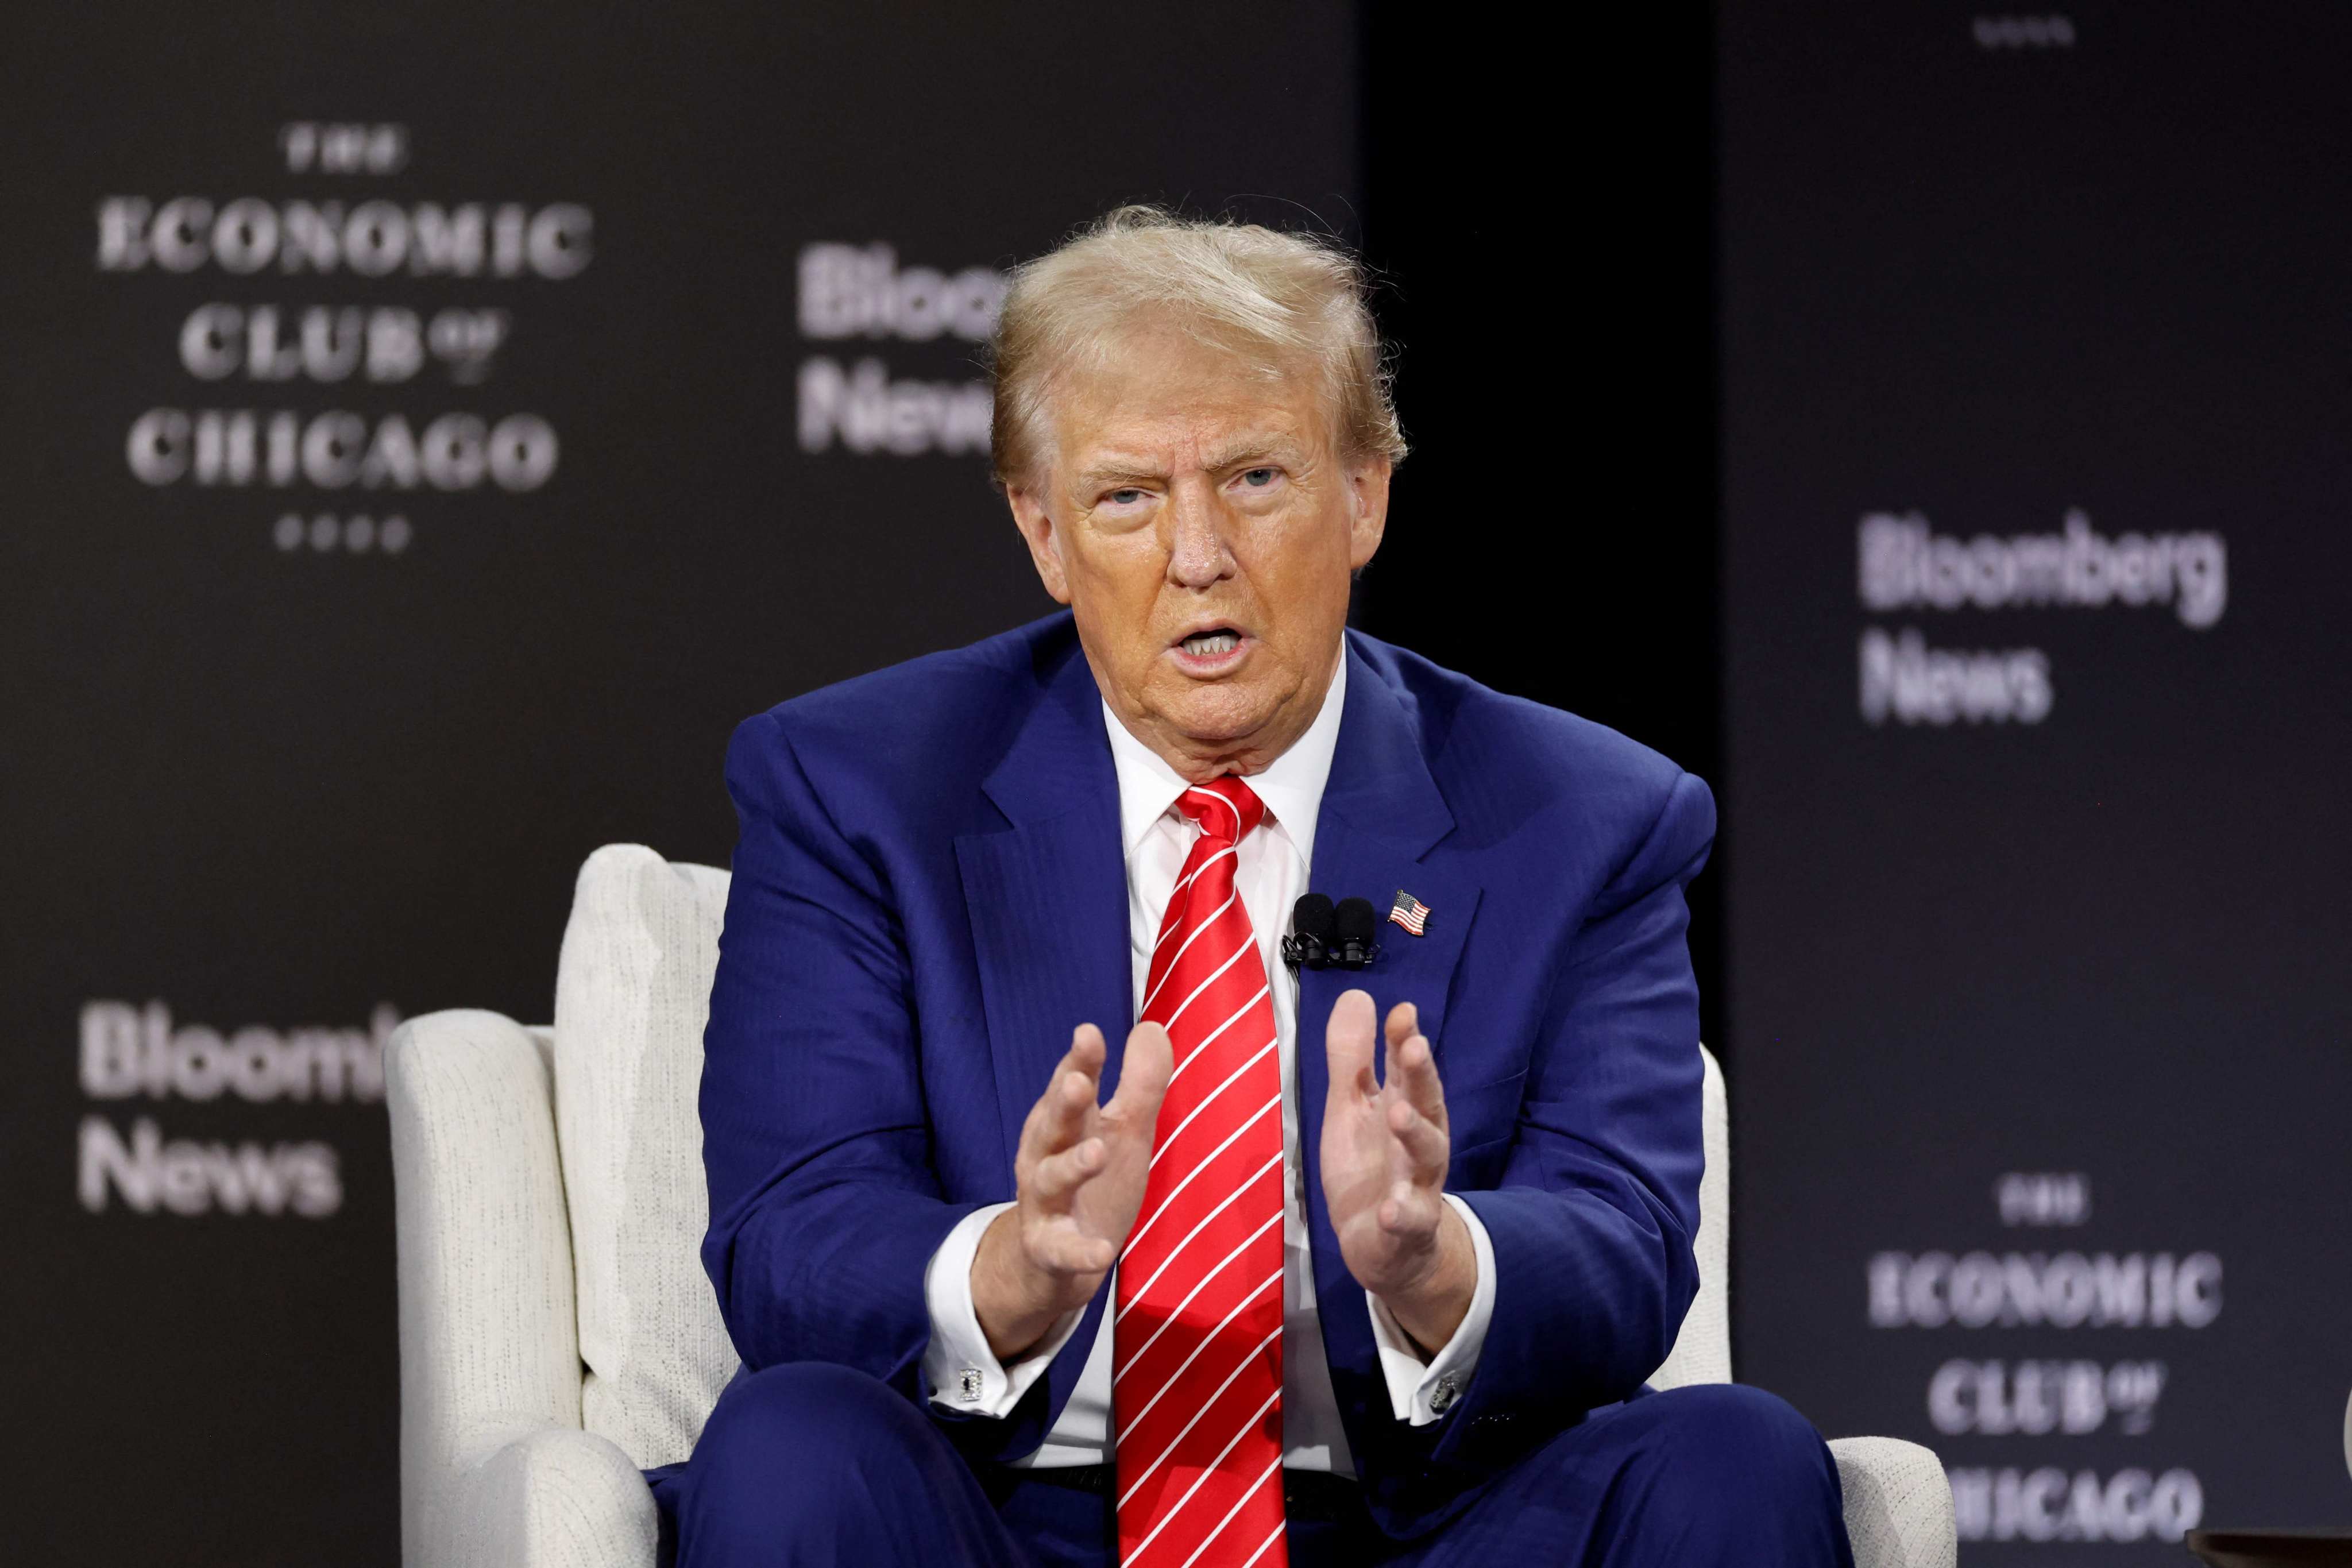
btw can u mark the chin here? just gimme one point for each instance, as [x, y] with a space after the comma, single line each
[1213, 715]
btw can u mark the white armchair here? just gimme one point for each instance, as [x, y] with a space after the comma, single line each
[556, 1332]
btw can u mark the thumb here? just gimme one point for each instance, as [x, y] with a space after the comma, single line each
[1347, 1046]
[1144, 1069]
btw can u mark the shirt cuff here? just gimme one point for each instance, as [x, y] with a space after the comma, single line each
[1421, 1392]
[964, 1375]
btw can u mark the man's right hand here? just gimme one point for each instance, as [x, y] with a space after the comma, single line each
[1080, 1174]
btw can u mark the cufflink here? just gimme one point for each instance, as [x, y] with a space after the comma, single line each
[1440, 1399]
[968, 1385]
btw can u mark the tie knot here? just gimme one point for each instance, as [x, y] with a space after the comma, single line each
[1225, 808]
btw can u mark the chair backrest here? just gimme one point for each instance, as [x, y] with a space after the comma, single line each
[633, 992]
[1702, 1351]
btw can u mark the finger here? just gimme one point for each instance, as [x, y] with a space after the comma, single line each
[1413, 1068]
[1347, 1047]
[1147, 1063]
[1399, 1028]
[1087, 1051]
[1056, 1176]
[1395, 1030]
[1424, 1144]
[1060, 1113]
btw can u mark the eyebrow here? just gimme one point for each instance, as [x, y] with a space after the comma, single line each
[1121, 468]
[1256, 444]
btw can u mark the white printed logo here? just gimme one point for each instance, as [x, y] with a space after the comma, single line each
[128, 1052]
[1906, 566]
[860, 291]
[1903, 564]
[365, 470]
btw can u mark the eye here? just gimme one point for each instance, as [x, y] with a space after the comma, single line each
[1127, 496]
[1259, 479]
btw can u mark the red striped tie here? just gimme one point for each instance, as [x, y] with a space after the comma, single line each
[1197, 1387]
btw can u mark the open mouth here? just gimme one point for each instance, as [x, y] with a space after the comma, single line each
[1212, 652]
[1213, 643]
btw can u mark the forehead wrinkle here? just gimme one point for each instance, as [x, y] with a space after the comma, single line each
[1169, 406]
[1114, 466]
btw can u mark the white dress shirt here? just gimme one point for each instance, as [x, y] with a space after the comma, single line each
[1271, 872]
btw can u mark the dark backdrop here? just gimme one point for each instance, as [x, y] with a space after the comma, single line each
[1540, 223]
[274, 777]
[2036, 915]
[273, 780]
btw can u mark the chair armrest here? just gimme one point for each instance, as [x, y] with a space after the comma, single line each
[554, 1498]
[1898, 1505]
[489, 1335]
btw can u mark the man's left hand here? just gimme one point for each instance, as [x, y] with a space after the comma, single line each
[1384, 1155]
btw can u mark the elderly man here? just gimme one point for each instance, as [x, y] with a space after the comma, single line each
[1352, 1261]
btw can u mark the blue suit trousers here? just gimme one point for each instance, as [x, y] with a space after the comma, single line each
[810, 1463]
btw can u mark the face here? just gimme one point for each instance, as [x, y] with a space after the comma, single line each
[1196, 517]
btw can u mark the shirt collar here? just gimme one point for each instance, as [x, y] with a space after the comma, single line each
[1291, 785]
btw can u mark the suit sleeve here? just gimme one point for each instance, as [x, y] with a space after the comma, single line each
[1592, 1219]
[824, 1207]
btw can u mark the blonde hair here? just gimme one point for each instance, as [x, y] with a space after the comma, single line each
[1280, 297]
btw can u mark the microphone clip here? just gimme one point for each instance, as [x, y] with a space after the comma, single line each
[1306, 952]
[1324, 936]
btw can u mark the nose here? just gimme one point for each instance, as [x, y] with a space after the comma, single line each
[1197, 553]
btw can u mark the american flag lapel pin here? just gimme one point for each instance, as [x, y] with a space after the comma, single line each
[1410, 912]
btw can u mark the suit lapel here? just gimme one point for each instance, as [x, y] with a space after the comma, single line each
[1381, 815]
[1047, 897]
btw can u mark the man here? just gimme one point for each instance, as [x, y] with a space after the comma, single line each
[1320, 1265]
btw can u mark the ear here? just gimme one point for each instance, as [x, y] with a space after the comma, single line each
[1037, 531]
[1368, 500]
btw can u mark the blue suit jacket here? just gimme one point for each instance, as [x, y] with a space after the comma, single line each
[929, 893]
